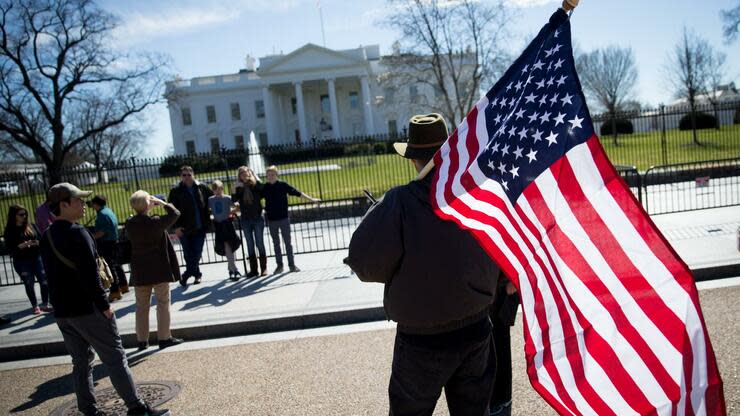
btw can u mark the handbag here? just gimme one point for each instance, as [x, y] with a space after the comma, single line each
[104, 273]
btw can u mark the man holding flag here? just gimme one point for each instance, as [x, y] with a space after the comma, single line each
[612, 321]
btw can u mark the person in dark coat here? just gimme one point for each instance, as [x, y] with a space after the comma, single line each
[190, 197]
[153, 266]
[227, 242]
[248, 194]
[22, 240]
[439, 284]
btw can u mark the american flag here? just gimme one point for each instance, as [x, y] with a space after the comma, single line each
[612, 321]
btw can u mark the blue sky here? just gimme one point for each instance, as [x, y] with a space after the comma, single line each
[209, 37]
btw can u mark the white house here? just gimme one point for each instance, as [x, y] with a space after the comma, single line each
[288, 99]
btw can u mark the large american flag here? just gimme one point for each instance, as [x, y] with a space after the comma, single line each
[612, 321]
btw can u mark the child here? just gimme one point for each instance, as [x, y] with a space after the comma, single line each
[276, 194]
[226, 239]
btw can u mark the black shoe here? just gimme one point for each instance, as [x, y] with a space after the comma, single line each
[237, 273]
[197, 279]
[294, 269]
[233, 276]
[169, 342]
[278, 269]
[4, 320]
[146, 410]
[141, 346]
[184, 279]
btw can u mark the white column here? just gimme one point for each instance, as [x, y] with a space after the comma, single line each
[269, 118]
[367, 103]
[301, 112]
[334, 109]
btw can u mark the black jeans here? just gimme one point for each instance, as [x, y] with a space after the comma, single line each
[82, 335]
[107, 250]
[419, 374]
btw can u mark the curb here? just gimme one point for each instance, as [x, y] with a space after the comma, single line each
[217, 330]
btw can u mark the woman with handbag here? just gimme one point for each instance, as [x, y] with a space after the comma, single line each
[153, 266]
[22, 240]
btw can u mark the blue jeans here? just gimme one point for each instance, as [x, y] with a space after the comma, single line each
[192, 250]
[28, 269]
[254, 230]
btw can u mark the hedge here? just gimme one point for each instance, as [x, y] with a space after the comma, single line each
[703, 121]
[623, 126]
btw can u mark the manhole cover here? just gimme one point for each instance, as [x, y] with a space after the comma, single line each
[153, 392]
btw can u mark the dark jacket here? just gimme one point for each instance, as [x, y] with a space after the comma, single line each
[276, 199]
[73, 292]
[437, 277]
[14, 236]
[181, 199]
[253, 210]
[153, 258]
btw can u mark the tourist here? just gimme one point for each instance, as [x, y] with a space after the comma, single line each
[227, 242]
[276, 194]
[248, 194]
[190, 197]
[22, 241]
[106, 237]
[153, 266]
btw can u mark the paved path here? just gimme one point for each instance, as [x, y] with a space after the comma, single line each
[326, 371]
[324, 293]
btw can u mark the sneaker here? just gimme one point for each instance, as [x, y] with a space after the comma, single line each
[147, 410]
[141, 346]
[170, 342]
[294, 269]
[114, 296]
[47, 308]
[278, 269]
[36, 310]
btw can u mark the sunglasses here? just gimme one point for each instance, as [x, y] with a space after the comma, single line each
[186, 175]
[22, 214]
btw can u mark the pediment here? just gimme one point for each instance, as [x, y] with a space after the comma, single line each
[307, 58]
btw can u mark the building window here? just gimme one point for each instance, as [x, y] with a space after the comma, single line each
[262, 139]
[325, 106]
[293, 105]
[211, 113]
[390, 95]
[236, 114]
[413, 93]
[354, 100]
[259, 108]
[392, 128]
[297, 134]
[190, 147]
[186, 119]
[215, 146]
[239, 142]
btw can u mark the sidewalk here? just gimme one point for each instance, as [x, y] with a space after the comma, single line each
[324, 293]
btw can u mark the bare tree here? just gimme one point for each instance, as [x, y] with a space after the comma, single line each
[452, 47]
[56, 64]
[689, 70]
[715, 78]
[609, 77]
[731, 19]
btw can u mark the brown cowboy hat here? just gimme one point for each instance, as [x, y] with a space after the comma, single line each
[427, 133]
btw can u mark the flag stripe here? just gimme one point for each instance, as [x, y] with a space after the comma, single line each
[703, 373]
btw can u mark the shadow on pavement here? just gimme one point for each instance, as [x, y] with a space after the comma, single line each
[57, 387]
[17, 319]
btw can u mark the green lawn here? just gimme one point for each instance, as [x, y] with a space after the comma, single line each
[378, 173]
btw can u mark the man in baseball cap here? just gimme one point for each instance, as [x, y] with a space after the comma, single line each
[81, 307]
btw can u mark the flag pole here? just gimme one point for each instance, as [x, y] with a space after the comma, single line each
[568, 6]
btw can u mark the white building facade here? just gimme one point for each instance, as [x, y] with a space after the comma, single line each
[312, 91]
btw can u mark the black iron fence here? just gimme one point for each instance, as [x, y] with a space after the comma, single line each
[667, 168]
